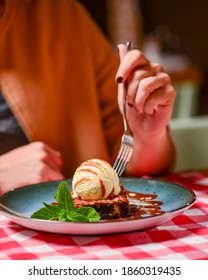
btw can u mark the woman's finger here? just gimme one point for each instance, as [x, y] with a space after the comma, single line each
[135, 79]
[162, 97]
[131, 60]
[52, 175]
[122, 50]
[45, 153]
[147, 86]
[55, 156]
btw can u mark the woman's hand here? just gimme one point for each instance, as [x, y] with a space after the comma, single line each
[150, 95]
[29, 164]
[149, 102]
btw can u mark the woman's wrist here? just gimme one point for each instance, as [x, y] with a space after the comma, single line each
[152, 155]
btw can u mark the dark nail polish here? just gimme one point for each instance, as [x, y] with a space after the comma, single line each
[130, 104]
[119, 79]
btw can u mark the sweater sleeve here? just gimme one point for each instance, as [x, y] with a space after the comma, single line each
[105, 63]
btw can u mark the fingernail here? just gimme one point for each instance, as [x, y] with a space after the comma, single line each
[130, 104]
[119, 79]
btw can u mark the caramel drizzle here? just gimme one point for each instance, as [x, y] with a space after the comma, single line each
[141, 204]
[81, 181]
[147, 204]
[88, 170]
[94, 164]
[112, 192]
[141, 196]
[102, 185]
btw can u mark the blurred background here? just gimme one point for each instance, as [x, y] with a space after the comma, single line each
[174, 34]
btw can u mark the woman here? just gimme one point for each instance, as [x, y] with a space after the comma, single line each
[59, 96]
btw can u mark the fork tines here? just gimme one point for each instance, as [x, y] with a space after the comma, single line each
[123, 158]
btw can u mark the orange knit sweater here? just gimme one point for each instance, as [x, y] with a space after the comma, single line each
[57, 73]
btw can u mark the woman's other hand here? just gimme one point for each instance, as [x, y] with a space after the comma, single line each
[29, 164]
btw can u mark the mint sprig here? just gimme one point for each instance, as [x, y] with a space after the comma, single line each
[63, 197]
[64, 210]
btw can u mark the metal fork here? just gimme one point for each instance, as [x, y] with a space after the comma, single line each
[127, 141]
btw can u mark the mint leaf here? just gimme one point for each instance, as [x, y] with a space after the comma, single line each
[83, 214]
[64, 210]
[45, 214]
[53, 208]
[89, 212]
[74, 216]
[50, 212]
[63, 197]
[63, 215]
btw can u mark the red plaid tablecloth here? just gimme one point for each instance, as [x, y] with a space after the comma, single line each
[184, 237]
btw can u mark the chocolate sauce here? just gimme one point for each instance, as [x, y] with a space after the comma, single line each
[141, 205]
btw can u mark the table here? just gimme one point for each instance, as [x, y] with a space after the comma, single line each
[185, 237]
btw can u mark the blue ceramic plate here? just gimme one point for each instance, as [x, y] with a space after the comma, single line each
[24, 201]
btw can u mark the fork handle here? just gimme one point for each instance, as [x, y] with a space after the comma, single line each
[129, 46]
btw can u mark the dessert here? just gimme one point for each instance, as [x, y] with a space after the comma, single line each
[97, 194]
[95, 183]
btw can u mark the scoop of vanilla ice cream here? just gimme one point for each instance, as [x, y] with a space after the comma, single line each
[95, 179]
